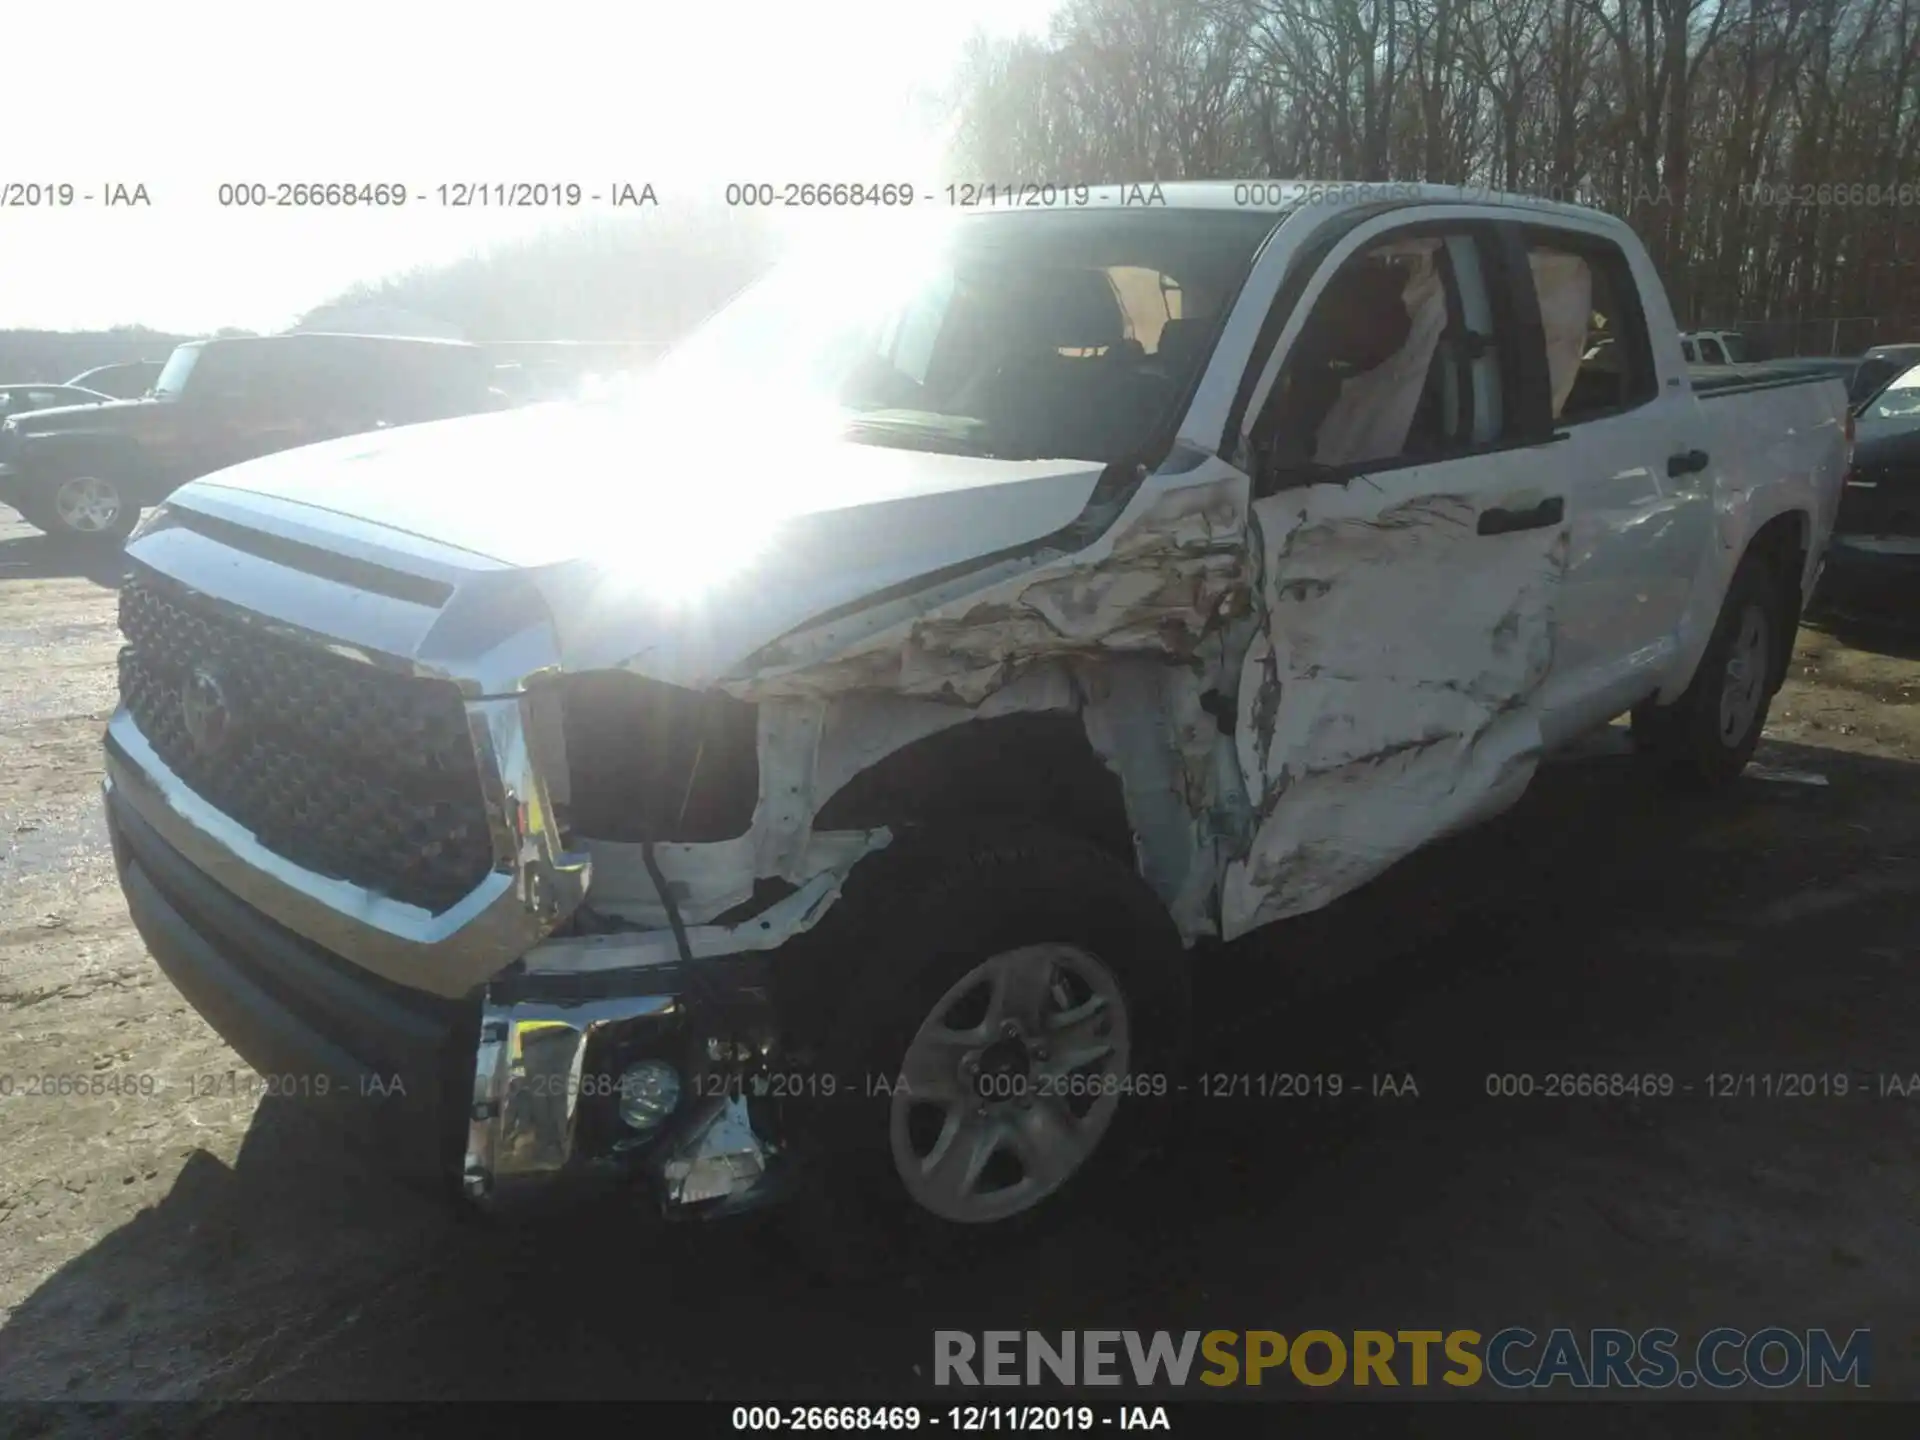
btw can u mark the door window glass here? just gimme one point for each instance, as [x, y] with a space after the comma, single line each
[1599, 361]
[1397, 361]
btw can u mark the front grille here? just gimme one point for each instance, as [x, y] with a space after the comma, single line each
[343, 769]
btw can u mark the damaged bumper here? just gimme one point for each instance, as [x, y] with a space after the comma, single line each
[654, 1082]
[512, 1091]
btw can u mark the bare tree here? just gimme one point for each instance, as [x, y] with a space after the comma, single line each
[1768, 151]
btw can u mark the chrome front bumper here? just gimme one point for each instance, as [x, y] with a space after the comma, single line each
[508, 1093]
[509, 1037]
[237, 927]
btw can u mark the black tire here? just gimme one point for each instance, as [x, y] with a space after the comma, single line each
[914, 921]
[44, 511]
[1690, 740]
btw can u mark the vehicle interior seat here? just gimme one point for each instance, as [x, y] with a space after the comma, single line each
[1359, 323]
[1443, 415]
[1372, 420]
[1077, 383]
[1182, 345]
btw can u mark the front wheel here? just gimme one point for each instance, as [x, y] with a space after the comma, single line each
[1006, 1040]
[1706, 737]
[90, 509]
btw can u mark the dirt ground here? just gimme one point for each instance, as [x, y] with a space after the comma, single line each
[160, 1241]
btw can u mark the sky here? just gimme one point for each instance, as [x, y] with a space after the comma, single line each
[183, 97]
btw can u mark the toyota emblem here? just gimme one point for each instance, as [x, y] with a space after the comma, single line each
[204, 708]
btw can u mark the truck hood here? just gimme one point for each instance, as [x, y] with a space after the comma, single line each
[670, 543]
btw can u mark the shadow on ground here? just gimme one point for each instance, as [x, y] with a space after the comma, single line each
[1886, 634]
[1602, 927]
[28, 555]
[1880, 614]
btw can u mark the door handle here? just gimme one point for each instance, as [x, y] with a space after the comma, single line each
[1687, 462]
[1538, 517]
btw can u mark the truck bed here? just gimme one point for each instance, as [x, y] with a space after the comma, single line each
[1712, 381]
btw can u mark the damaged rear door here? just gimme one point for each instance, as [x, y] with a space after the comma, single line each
[1408, 544]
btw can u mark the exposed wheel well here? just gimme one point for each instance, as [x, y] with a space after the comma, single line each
[1782, 542]
[1031, 767]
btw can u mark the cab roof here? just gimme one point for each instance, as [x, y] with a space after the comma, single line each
[1272, 196]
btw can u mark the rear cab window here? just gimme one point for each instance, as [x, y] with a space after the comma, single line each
[1599, 354]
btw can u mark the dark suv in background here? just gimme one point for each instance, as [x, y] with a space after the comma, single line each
[84, 472]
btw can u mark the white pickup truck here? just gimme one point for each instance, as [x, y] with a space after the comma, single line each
[820, 768]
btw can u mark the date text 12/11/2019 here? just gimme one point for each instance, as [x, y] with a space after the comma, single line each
[963, 1419]
[1719, 1085]
[784, 195]
[450, 195]
[1213, 1085]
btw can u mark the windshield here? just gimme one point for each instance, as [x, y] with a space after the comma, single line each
[1900, 400]
[173, 375]
[1736, 349]
[1019, 336]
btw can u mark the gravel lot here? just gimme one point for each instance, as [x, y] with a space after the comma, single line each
[179, 1244]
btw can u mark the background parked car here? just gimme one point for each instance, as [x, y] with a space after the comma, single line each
[1715, 347]
[1873, 563]
[1879, 365]
[18, 399]
[126, 381]
[84, 472]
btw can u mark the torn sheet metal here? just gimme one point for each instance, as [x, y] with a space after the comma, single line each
[840, 697]
[1153, 583]
[635, 949]
[862, 729]
[1145, 720]
[1388, 698]
[1142, 717]
[1381, 700]
[709, 880]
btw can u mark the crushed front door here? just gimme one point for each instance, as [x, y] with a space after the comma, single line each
[1405, 607]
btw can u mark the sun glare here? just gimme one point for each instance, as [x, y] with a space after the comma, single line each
[844, 91]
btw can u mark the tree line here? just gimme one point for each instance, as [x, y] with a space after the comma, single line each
[1768, 151]
[1764, 149]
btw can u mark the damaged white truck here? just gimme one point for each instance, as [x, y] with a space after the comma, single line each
[820, 768]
